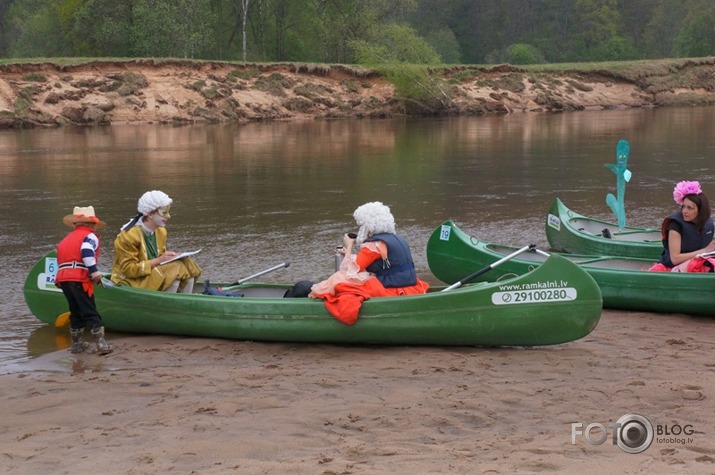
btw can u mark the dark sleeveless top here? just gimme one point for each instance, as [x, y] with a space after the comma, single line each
[398, 270]
[691, 238]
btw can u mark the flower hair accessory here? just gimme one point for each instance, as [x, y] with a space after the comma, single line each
[685, 188]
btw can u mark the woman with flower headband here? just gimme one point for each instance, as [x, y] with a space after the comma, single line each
[688, 232]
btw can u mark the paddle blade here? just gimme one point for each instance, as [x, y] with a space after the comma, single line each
[62, 320]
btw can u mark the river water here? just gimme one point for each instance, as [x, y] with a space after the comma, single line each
[252, 196]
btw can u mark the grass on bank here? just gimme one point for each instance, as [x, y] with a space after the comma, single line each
[652, 66]
[628, 70]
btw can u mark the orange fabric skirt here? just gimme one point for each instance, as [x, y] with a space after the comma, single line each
[344, 304]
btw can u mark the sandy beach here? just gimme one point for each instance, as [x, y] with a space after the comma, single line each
[162, 404]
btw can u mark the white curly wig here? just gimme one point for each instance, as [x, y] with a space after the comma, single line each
[152, 200]
[373, 218]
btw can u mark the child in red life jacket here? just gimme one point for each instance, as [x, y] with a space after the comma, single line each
[77, 273]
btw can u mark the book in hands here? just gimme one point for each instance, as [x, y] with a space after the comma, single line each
[181, 256]
[706, 255]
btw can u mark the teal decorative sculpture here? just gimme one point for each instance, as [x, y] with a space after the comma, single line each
[623, 175]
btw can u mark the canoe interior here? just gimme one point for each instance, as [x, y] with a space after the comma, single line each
[568, 231]
[616, 263]
[595, 227]
[260, 290]
[249, 290]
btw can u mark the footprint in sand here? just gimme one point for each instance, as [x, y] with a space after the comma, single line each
[692, 393]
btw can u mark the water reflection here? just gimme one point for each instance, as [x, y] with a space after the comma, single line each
[46, 339]
[256, 195]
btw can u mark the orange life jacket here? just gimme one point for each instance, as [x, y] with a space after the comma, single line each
[69, 256]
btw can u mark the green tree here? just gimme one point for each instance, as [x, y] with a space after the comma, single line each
[104, 28]
[37, 29]
[616, 48]
[262, 30]
[402, 56]
[341, 23]
[431, 15]
[171, 28]
[295, 32]
[395, 44]
[635, 15]
[445, 45]
[472, 31]
[519, 53]
[243, 9]
[4, 37]
[280, 12]
[598, 21]
[478, 25]
[696, 37]
[662, 28]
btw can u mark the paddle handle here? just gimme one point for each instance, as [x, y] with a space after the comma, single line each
[457, 285]
[258, 274]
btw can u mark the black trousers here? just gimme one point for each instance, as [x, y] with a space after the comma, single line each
[83, 310]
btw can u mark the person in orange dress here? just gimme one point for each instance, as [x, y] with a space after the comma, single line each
[383, 266]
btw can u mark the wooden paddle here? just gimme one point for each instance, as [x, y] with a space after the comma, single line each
[457, 285]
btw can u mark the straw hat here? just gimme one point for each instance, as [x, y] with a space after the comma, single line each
[83, 214]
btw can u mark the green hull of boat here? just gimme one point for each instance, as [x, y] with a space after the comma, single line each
[474, 315]
[568, 231]
[625, 282]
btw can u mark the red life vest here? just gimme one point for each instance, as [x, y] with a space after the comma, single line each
[69, 256]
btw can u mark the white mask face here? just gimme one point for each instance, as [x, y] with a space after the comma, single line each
[158, 221]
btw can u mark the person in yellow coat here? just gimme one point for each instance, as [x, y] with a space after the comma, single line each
[140, 250]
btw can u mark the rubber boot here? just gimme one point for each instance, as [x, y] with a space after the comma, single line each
[78, 343]
[103, 347]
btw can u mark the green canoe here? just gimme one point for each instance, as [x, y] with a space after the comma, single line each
[480, 314]
[625, 282]
[568, 231]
